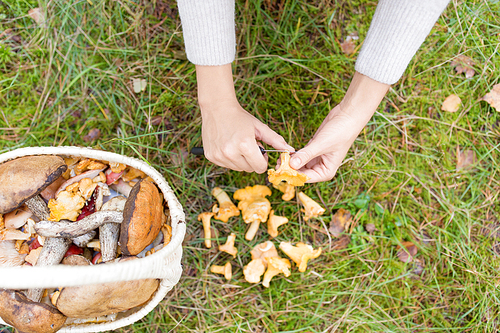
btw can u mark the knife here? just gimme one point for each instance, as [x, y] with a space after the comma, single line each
[199, 151]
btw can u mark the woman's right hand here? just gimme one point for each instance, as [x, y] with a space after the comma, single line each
[231, 134]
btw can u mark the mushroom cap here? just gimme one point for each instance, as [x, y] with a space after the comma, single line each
[142, 218]
[28, 316]
[23, 178]
[106, 298]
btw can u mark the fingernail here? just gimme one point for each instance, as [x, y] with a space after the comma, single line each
[295, 162]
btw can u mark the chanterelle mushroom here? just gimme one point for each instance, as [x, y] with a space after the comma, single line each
[226, 207]
[287, 189]
[274, 222]
[300, 254]
[311, 207]
[229, 246]
[254, 206]
[255, 268]
[286, 173]
[275, 266]
[225, 270]
[205, 218]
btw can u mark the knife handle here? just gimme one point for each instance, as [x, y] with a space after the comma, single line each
[199, 150]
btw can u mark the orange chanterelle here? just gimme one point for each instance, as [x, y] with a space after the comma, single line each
[286, 173]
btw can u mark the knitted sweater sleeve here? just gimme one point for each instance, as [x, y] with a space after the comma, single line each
[208, 30]
[397, 30]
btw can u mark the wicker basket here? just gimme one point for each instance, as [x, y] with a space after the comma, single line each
[164, 264]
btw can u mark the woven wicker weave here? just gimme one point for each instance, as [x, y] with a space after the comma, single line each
[164, 264]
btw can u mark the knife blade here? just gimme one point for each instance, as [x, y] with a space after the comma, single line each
[199, 151]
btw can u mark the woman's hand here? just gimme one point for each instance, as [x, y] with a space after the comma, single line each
[231, 134]
[323, 155]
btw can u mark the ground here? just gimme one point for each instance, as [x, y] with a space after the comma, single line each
[73, 72]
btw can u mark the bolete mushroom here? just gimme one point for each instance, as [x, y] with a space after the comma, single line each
[311, 207]
[226, 207]
[286, 173]
[28, 316]
[254, 206]
[22, 180]
[229, 246]
[300, 254]
[205, 219]
[225, 270]
[273, 222]
[105, 298]
[109, 233]
[142, 217]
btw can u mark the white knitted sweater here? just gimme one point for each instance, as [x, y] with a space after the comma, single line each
[397, 30]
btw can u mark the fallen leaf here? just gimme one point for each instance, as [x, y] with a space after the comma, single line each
[493, 97]
[451, 103]
[348, 46]
[407, 252]
[36, 14]
[340, 222]
[341, 243]
[139, 85]
[370, 227]
[463, 64]
[465, 158]
[93, 135]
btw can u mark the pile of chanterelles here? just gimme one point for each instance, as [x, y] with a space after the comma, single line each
[255, 209]
[73, 211]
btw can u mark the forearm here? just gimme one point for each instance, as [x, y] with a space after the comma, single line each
[362, 98]
[215, 85]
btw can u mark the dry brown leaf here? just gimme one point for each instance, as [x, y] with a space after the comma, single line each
[465, 158]
[341, 243]
[493, 97]
[36, 14]
[407, 252]
[463, 64]
[93, 135]
[451, 103]
[340, 222]
[370, 227]
[348, 46]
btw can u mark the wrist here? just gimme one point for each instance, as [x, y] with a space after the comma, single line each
[215, 86]
[363, 96]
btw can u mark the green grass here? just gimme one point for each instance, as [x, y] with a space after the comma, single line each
[73, 73]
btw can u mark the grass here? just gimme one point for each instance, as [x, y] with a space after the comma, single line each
[73, 73]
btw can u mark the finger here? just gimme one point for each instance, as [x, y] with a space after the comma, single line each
[253, 157]
[230, 159]
[304, 155]
[270, 137]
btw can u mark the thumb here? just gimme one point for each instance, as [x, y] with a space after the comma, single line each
[301, 157]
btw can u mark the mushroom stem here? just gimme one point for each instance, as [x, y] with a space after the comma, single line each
[108, 238]
[83, 240]
[52, 253]
[78, 228]
[229, 246]
[252, 230]
[205, 218]
[226, 270]
[38, 207]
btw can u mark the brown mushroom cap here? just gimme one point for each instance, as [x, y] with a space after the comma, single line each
[142, 218]
[104, 299]
[27, 316]
[23, 178]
